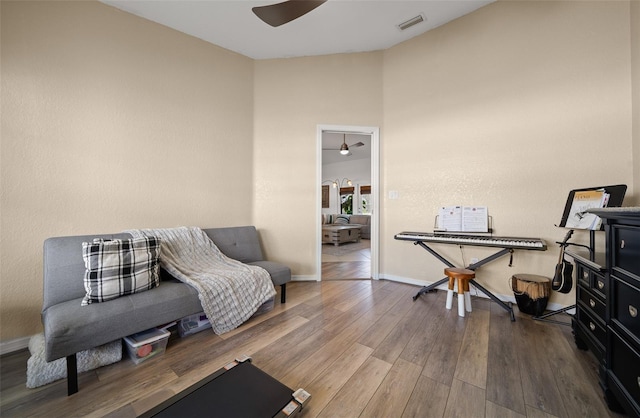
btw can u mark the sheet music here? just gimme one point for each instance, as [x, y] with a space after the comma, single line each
[463, 219]
[475, 219]
[583, 201]
[450, 218]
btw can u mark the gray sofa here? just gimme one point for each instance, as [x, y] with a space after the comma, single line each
[363, 220]
[70, 327]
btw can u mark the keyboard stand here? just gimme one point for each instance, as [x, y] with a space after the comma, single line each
[432, 287]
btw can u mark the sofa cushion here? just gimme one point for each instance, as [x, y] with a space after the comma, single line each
[328, 218]
[342, 220]
[239, 242]
[69, 327]
[360, 219]
[280, 274]
[119, 267]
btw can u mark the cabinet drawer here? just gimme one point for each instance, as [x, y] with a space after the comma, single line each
[597, 283]
[585, 335]
[626, 247]
[625, 306]
[594, 304]
[625, 367]
[591, 277]
[583, 276]
[592, 326]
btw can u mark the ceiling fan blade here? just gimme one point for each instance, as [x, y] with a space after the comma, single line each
[349, 154]
[357, 144]
[281, 13]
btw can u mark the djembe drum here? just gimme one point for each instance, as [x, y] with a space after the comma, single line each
[531, 292]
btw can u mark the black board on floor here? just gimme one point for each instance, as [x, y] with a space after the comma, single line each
[238, 390]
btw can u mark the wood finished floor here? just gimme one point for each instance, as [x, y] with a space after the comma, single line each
[362, 348]
[352, 265]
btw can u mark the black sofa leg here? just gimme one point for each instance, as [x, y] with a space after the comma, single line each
[283, 293]
[72, 375]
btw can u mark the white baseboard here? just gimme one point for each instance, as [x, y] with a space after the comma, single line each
[408, 280]
[10, 346]
[307, 278]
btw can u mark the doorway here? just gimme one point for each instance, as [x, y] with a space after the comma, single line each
[347, 205]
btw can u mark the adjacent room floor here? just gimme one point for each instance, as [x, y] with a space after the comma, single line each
[351, 260]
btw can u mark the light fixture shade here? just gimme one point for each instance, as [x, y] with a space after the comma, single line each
[344, 149]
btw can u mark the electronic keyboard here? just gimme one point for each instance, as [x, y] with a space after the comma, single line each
[477, 240]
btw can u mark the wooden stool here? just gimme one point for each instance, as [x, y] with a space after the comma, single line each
[463, 276]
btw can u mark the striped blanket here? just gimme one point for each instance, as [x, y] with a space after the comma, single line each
[229, 291]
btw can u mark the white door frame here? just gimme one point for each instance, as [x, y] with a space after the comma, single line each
[374, 131]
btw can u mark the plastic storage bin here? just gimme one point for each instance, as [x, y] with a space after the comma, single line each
[192, 324]
[146, 344]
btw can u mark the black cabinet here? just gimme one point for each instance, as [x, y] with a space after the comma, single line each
[590, 319]
[607, 304]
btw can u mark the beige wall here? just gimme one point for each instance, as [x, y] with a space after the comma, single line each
[292, 97]
[112, 122]
[509, 107]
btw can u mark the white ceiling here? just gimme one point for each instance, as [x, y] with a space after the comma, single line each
[337, 26]
[331, 142]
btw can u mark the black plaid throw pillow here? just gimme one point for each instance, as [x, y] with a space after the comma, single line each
[120, 267]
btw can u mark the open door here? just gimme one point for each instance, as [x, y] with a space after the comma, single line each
[347, 182]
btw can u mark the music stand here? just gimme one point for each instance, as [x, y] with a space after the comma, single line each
[616, 196]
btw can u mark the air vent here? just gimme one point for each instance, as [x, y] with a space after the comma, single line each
[413, 21]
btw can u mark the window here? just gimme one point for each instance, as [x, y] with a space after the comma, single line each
[346, 200]
[365, 200]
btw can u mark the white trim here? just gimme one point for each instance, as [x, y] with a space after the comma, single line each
[408, 280]
[14, 345]
[305, 278]
[374, 131]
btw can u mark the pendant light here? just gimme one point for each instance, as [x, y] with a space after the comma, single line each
[344, 149]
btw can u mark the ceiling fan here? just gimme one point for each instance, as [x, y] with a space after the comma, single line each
[344, 148]
[280, 13]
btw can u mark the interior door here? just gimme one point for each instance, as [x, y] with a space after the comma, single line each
[352, 170]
